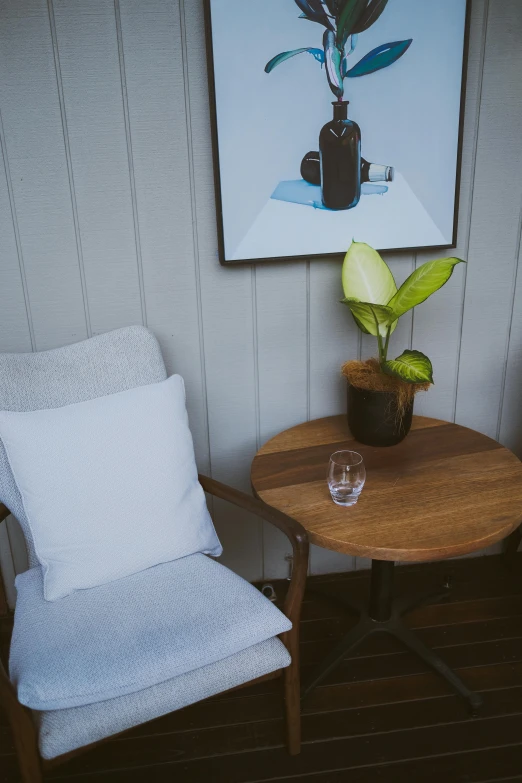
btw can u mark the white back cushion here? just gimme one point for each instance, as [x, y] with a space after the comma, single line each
[109, 486]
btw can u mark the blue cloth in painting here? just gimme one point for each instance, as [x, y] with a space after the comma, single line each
[297, 191]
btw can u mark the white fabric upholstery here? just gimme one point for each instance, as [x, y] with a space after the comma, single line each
[61, 731]
[105, 364]
[102, 365]
[109, 486]
[133, 633]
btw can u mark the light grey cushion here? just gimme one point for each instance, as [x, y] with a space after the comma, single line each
[132, 633]
[105, 364]
[61, 731]
[114, 474]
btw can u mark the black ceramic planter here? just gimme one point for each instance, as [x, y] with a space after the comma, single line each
[373, 417]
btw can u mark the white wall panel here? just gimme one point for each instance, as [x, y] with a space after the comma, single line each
[282, 359]
[34, 144]
[158, 122]
[511, 409]
[495, 219]
[88, 76]
[15, 327]
[228, 323]
[438, 323]
[333, 339]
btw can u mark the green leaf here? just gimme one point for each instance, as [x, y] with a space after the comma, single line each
[280, 58]
[366, 276]
[422, 283]
[370, 318]
[370, 15]
[379, 58]
[411, 366]
[314, 11]
[348, 19]
[347, 53]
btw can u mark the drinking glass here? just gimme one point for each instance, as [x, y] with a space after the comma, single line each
[346, 477]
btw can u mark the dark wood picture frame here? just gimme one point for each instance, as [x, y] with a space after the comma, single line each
[216, 162]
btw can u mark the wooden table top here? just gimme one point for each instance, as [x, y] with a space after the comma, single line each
[444, 491]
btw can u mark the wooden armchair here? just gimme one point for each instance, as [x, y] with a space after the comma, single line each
[25, 733]
[122, 352]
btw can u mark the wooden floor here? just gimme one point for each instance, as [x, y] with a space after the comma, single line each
[382, 717]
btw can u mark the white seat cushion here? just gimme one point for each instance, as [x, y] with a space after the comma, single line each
[61, 731]
[132, 633]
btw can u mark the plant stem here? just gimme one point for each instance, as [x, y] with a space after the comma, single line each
[381, 348]
[388, 333]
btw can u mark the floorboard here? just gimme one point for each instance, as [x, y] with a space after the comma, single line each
[381, 717]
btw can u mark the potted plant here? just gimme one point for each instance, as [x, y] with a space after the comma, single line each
[381, 391]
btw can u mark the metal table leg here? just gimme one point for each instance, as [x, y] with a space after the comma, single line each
[384, 616]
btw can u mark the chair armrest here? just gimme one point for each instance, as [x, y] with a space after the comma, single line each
[293, 530]
[4, 512]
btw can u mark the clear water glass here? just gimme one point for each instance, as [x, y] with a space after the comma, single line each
[346, 477]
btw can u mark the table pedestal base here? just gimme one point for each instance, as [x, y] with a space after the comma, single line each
[384, 616]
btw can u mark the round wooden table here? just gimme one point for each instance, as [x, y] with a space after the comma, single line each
[444, 491]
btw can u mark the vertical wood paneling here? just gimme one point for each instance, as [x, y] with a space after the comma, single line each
[89, 81]
[281, 346]
[333, 339]
[228, 326]
[155, 89]
[34, 145]
[495, 224]
[439, 337]
[511, 408]
[15, 331]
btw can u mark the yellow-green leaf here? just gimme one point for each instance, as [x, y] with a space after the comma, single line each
[366, 276]
[370, 318]
[411, 366]
[422, 283]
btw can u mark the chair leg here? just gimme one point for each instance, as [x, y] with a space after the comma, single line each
[26, 744]
[293, 707]
[25, 736]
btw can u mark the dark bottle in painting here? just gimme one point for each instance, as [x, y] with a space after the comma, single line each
[311, 168]
[370, 172]
[340, 155]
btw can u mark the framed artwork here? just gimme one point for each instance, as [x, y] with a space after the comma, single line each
[335, 120]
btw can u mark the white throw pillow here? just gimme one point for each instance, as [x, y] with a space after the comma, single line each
[109, 485]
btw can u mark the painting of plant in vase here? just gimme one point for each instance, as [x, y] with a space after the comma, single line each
[334, 120]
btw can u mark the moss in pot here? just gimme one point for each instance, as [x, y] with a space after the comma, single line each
[381, 391]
